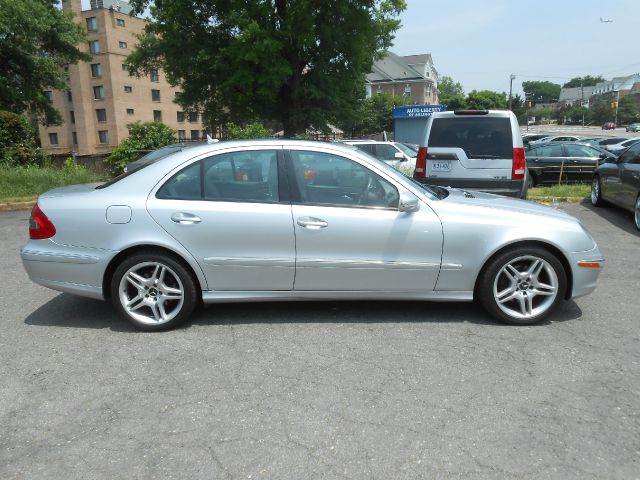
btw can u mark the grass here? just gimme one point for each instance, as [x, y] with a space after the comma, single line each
[574, 192]
[26, 183]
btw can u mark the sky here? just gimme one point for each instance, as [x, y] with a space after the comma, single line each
[479, 43]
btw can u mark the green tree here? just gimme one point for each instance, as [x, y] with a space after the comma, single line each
[18, 141]
[37, 40]
[486, 100]
[451, 93]
[601, 110]
[300, 62]
[629, 109]
[373, 115]
[252, 130]
[586, 81]
[541, 91]
[143, 137]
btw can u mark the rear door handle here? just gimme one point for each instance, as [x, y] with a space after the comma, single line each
[184, 218]
[312, 223]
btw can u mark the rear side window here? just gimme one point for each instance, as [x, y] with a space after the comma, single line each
[479, 137]
[548, 151]
[581, 151]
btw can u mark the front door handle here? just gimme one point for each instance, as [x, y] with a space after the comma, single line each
[184, 218]
[312, 223]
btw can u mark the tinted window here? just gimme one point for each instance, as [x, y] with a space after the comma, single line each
[581, 151]
[548, 151]
[367, 147]
[386, 152]
[325, 179]
[479, 137]
[184, 185]
[242, 176]
[630, 155]
[611, 141]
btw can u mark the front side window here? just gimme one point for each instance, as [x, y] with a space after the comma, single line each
[386, 152]
[581, 151]
[326, 179]
[249, 176]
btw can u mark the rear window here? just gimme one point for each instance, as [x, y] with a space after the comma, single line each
[479, 137]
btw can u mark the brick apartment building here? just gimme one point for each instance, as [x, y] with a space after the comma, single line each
[103, 98]
[409, 76]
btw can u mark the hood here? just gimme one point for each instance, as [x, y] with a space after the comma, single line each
[504, 206]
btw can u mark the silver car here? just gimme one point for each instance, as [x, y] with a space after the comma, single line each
[290, 220]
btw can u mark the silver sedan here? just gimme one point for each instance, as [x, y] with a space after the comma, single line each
[289, 220]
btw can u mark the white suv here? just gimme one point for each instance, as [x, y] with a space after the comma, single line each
[474, 149]
[396, 154]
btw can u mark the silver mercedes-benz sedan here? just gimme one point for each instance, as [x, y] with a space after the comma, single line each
[292, 220]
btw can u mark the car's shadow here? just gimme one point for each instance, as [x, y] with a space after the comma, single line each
[615, 215]
[76, 312]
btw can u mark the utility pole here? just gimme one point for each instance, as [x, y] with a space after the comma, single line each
[512, 77]
[582, 103]
[617, 102]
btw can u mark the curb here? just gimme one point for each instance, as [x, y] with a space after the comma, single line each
[551, 200]
[12, 206]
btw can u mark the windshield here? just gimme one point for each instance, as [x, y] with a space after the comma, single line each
[406, 150]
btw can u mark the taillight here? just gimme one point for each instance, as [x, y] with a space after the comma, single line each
[421, 163]
[39, 225]
[519, 164]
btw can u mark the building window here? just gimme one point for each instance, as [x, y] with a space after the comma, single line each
[98, 92]
[155, 95]
[154, 75]
[407, 90]
[128, 89]
[49, 95]
[74, 138]
[92, 24]
[120, 22]
[53, 138]
[157, 116]
[182, 135]
[125, 67]
[103, 136]
[130, 111]
[101, 115]
[195, 134]
[122, 44]
[94, 46]
[193, 117]
[72, 117]
[180, 117]
[96, 70]
[379, 90]
[69, 96]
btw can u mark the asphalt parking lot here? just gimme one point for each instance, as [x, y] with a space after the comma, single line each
[376, 390]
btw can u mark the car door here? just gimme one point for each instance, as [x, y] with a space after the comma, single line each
[580, 163]
[350, 235]
[231, 211]
[629, 168]
[545, 162]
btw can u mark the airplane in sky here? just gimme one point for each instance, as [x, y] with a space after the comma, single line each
[606, 20]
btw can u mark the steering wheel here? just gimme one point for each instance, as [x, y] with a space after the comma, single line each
[373, 193]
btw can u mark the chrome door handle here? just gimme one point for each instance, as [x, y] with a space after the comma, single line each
[185, 218]
[312, 223]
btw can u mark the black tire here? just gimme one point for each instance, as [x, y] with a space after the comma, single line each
[525, 291]
[636, 213]
[596, 191]
[530, 180]
[160, 290]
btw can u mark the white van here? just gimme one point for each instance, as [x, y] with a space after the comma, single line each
[473, 149]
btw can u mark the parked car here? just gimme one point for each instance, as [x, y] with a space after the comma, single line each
[291, 220]
[576, 161]
[395, 154]
[603, 142]
[618, 181]
[475, 149]
[592, 140]
[633, 127]
[618, 148]
[532, 137]
[609, 126]
[158, 154]
[557, 138]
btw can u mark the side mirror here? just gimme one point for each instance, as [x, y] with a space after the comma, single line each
[408, 203]
[400, 156]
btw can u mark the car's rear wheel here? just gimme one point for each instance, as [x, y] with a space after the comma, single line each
[636, 213]
[596, 191]
[153, 291]
[522, 286]
[530, 180]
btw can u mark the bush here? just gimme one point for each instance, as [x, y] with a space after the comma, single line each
[143, 137]
[18, 141]
[252, 130]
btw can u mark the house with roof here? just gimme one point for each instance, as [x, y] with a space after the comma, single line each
[574, 96]
[411, 76]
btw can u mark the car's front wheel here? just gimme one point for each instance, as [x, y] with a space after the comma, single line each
[596, 191]
[636, 213]
[522, 286]
[153, 291]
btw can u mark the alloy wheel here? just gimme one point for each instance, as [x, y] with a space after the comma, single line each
[525, 287]
[151, 293]
[595, 191]
[637, 213]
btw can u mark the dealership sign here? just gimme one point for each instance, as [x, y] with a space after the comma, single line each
[417, 111]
